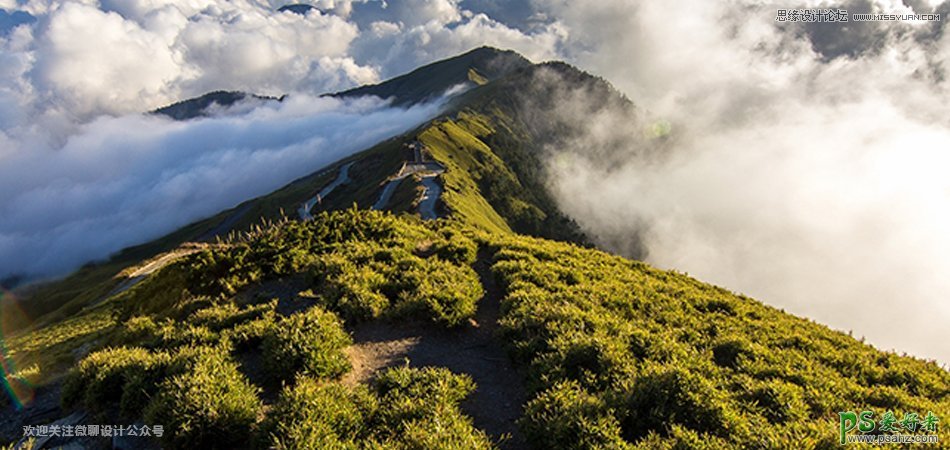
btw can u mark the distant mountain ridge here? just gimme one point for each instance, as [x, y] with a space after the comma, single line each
[477, 67]
[504, 187]
[297, 8]
[198, 106]
[429, 82]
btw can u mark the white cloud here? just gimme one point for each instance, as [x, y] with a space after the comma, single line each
[90, 61]
[813, 185]
[274, 52]
[125, 180]
[409, 34]
[86, 58]
[413, 13]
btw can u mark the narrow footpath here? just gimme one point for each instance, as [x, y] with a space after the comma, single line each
[496, 404]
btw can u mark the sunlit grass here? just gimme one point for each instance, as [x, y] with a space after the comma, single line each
[44, 354]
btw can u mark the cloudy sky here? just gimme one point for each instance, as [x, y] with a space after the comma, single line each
[806, 163]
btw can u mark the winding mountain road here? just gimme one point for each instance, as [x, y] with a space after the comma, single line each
[387, 193]
[342, 178]
[429, 171]
[430, 198]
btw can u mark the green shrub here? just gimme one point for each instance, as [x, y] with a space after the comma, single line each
[418, 409]
[596, 362]
[354, 293]
[211, 405]
[316, 415]
[447, 431]
[683, 438]
[445, 293]
[227, 315]
[781, 401]
[407, 409]
[568, 417]
[190, 305]
[455, 247]
[141, 331]
[140, 386]
[310, 342]
[157, 294]
[191, 335]
[223, 272]
[726, 352]
[664, 396]
[364, 281]
[249, 335]
[429, 388]
[114, 376]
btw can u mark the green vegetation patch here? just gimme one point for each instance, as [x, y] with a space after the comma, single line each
[363, 281]
[618, 354]
[190, 348]
[310, 342]
[404, 409]
[621, 355]
[46, 353]
[211, 405]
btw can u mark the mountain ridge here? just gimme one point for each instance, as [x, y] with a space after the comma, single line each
[477, 66]
[198, 106]
[426, 83]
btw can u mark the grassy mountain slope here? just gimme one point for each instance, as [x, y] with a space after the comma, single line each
[247, 342]
[620, 353]
[616, 354]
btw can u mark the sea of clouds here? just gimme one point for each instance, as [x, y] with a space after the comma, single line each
[83, 173]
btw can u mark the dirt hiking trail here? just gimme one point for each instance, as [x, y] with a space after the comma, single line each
[473, 349]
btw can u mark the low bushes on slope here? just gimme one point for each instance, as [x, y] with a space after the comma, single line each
[211, 405]
[618, 354]
[196, 392]
[365, 280]
[405, 409]
[310, 342]
[116, 377]
[624, 355]
[315, 415]
[183, 331]
[363, 265]
[567, 416]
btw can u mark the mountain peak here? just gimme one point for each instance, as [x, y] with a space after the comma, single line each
[480, 65]
[297, 8]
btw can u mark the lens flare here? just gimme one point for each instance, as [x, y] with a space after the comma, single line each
[15, 386]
